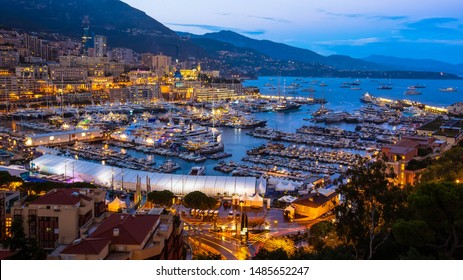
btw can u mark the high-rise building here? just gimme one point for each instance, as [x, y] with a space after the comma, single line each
[86, 35]
[162, 63]
[147, 59]
[100, 46]
[122, 55]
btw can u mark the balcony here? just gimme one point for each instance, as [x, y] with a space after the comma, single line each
[151, 249]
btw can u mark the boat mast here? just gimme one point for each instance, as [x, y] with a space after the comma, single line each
[62, 96]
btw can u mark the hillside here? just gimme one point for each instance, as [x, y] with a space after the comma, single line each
[281, 51]
[123, 25]
[229, 52]
[416, 64]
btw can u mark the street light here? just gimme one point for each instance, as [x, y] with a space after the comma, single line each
[244, 225]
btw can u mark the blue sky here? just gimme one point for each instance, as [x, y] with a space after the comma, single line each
[430, 29]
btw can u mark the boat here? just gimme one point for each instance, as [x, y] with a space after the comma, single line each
[197, 171]
[286, 106]
[366, 98]
[448, 89]
[417, 86]
[321, 111]
[169, 166]
[310, 89]
[412, 91]
[354, 83]
[385, 86]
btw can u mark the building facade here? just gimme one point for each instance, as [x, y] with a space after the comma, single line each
[56, 217]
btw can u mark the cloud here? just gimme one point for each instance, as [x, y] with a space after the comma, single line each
[365, 16]
[274, 19]
[458, 42]
[433, 28]
[216, 28]
[351, 42]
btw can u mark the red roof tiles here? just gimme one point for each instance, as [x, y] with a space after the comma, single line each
[61, 197]
[132, 229]
[88, 246]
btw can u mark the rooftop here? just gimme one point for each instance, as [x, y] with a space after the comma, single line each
[432, 125]
[61, 197]
[131, 229]
[88, 246]
[314, 199]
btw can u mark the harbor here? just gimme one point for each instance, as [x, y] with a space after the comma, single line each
[255, 136]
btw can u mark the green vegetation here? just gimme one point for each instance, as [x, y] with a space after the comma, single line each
[161, 198]
[199, 200]
[372, 202]
[23, 248]
[414, 164]
[378, 220]
[207, 256]
[447, 168]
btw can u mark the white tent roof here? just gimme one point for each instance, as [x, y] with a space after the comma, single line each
[281, 186]
[127, 178]
[257, 197]
[287, 199]
[117, 202]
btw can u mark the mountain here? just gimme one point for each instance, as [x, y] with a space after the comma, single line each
[123, 25]
[229, 52]
[285, 52]
[416, 64]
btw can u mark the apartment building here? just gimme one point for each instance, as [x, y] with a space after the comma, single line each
[56, 217]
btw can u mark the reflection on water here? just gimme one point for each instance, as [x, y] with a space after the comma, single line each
[338, 99]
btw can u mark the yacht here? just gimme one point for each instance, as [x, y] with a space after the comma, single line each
[321, 111]
[417, 86]
[197, 171]
[366, 98]
[169, 166]
[412, 91]
[286, 106]
[385, 86]
[448, 89]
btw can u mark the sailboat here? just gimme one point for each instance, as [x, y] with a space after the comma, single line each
[285, 105]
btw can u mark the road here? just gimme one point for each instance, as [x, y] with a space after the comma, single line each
[227, 243]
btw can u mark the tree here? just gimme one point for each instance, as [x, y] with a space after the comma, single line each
[437, 221]
[207, 256]
[256, 222]
[24, 248]
[10, 182]
[371, 203]
[265, 254]
[447, 168]
[199, 200]
[161, 198]
[276, 248]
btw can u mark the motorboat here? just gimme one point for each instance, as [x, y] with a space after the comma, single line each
[197, 171]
